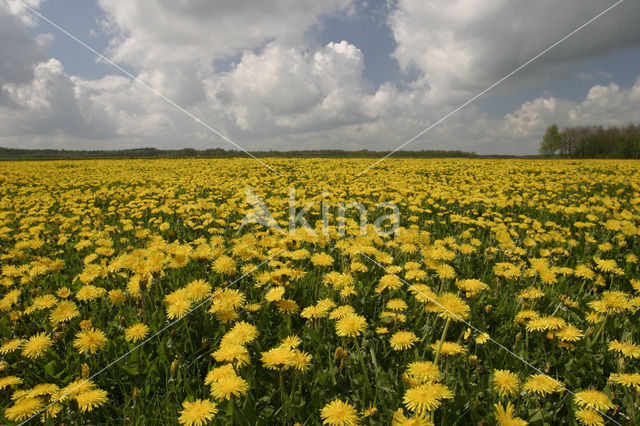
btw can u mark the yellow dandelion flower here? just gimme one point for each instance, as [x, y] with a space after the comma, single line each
[402, 340]
[627, 349]
[483, 338]
[611, 302]
[626, 379]
[228, 386]
[227, 299]
[426, 398]
[287, 306]
[453, 308]
[351, 325]
[594, 318]
[589, 417]
[23, 409]
[301, 360]
[90, 292]
[63, 292]
[219, 372]
[415, 274]
[11, 346]
[321, 259]
[541, 384]
[445, 271]
[395, 316]
[523, 316]
[471, 286]
[117, 297]
[197, 413]
[423, 371]
[7, 381]
[339, 413]
[397, 305]
[274, 294]
[280, 357]
[233, 353]
[341, 312]
[90, 399]
[64, 311]
[400, 419]
[78, 386]
[423, 293]
[448, 348]
[198, 290]
[390, 282]
[253, 307]
[569, 333]
[592, 398]
[136, 332]
[241, 333]
[90, 341]
[178, 308]
[36, 346]
[371, 411]
[43, 389]
[505, 383]
[546, 323]
[311, 312]
[530, 293]
[291, 342]
[224, 265]
[605, 265]
[505, 416]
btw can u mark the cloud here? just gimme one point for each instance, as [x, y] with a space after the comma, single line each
[38, 100]
[49, 106]
[155, 32]
[19, 52]
[589, 76]
[16, 9]
[291, 89]
[603, 105]
[282, 90]
[462, 46]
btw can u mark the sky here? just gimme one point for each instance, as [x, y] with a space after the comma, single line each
[307, 74]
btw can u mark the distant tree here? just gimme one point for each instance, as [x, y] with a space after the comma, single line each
[551, 142]
[592, 142]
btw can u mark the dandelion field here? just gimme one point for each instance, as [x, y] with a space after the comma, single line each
[134, 292]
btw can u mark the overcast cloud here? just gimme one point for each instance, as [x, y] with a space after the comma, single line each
[255, 72]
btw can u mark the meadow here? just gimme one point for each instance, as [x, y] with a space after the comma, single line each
[499, 292]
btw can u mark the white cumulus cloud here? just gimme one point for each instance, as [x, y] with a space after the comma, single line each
[274, 87]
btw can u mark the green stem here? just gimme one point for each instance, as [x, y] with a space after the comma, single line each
[540, 408]
[293, 386]
[631, 399]
[420, 315]
[367, 388]
[288, 320]
[281, 380]
[600, 329]
[444, 334]
[332, 369]
[230, 411]
[432, 328]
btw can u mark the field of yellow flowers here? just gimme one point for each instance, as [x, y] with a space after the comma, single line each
[135, 291]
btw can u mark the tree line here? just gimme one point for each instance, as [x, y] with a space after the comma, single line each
[592, 142]
[52, 154]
